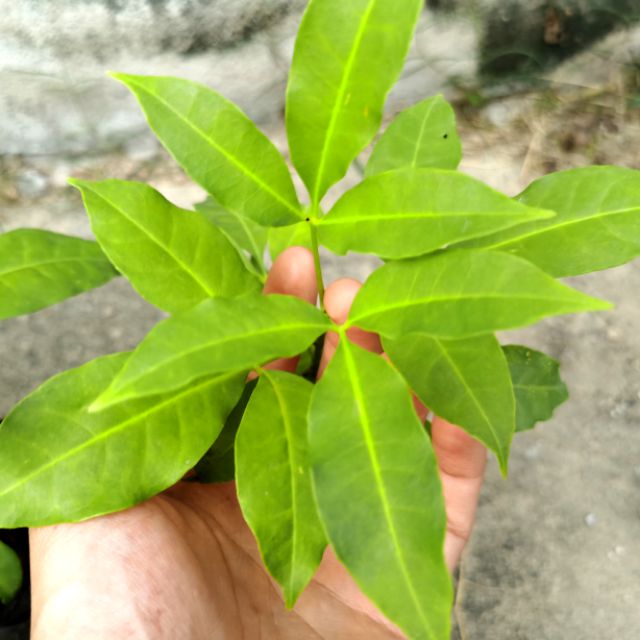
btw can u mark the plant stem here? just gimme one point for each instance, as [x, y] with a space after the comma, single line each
[316, 258]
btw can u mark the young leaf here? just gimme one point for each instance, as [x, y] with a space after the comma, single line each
[10, 573]
[274, 480]
[402, 214]
[462, 293]
[219, 147]
[466, 382]
[538, 388]
[40, 268]
[172, 257]
[346, 59]
[243, 233]
[424, 136]
[60, 463]
[218, 464]
[597, 227]
[216, 336]
[295, 235]
[379, 492]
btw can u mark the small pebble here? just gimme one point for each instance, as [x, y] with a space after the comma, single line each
[32, 184]
[590, 519]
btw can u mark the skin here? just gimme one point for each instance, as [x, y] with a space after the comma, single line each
[184, 565]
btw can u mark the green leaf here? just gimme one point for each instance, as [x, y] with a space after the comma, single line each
[460, 294]
[274, 480]
[537, 385]
[378, 490]
[10, 573]
[402, 214]
[346, 59]
[423, 136]
[295, 235]
[40, 268]
[218, 464]
[245, 235]
[216, 336]
[172, 257]
[60, 463]
[597, 227]
[466, 382]
[219, 147]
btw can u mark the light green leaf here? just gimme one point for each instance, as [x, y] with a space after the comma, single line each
[423, 136]
[346, 59]
[537, 385]
[219, 147]
[597, 227]
[466, 382]
[378, 490]
[245, 235]
[402, 214]
[172, 257]
[60, 463]
[460, 294]
[10, 573]
[218, 464]
[40, 268]
[274, 480]
[295, 235]
[216, 336]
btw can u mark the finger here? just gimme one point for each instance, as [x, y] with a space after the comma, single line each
[293, 273]
[337, 303]
[462, 461]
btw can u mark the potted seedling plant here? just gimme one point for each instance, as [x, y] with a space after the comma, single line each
[342, 460]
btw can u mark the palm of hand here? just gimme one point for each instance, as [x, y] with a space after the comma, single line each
[185, 565]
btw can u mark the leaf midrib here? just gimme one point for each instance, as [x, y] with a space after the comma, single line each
[116, 428]
[424, 301]
[224, 152]
[340, 219]
[566, 223]
[474, 398]
[286, 421]
[216, 343]
[147, 232]
[423, 127]
[365, 423]
[35, 265]
[342, 89]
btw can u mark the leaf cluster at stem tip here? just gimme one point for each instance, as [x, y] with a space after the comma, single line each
[343, 460]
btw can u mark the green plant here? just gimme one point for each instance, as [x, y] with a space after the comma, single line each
[346, 460]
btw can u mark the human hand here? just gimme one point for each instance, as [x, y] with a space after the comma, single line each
[184, 565]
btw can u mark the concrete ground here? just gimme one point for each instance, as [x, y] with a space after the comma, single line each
[556, 550]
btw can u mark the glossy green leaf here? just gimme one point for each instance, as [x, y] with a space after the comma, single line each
[249, 238]
[10, 573]
[597, 227]
[378, 490]
[40, 268]
[402, 214]
[466, 382]
[423, 136]
[219, 147]
[216, 336]
[60, 463]
[538, 388]
[295, 235]
[218, 464]
[172, 257]
[462, 293]
[274, 480]
[346, 59]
